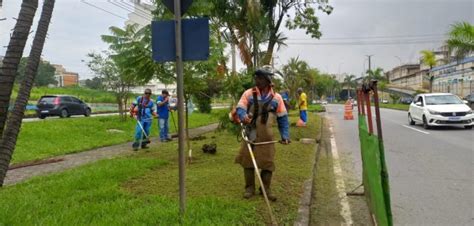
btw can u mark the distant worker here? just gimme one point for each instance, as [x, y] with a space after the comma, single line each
[302, 105]
[286, 99]
[142, 110]
[163, 110]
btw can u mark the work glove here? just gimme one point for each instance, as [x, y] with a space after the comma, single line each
[247, 119]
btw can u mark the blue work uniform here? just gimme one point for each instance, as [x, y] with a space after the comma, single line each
[144, 115]
[163, 116]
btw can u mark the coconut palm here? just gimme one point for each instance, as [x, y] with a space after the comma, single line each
[429, 59]
[349, 82]
[13, 55]
[295, 73]
[461, 39]
[376, 74]
[8, 141]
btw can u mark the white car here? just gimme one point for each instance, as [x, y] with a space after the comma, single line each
[440, 109]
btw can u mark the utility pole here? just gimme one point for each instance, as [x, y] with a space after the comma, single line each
[369, 56]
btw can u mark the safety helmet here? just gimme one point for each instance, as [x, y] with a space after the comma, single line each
[266, 72]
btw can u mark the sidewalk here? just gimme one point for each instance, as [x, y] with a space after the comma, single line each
[77, 159]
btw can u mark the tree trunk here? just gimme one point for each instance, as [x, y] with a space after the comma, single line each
[125, 104]
[269, 54]
[13, 56]
[8, 142]
[431, 80]
[120, 105]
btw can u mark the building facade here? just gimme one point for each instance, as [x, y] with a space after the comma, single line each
[65, 78]
[410, 76]
[141, 14]
[156, 87]
[456, 77]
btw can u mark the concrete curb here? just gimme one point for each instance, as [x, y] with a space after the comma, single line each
[304, 209]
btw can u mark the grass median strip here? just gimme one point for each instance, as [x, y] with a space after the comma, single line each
[143, 189]
[48, 138]
[401, 107]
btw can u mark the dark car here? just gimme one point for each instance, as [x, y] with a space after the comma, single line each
[470, 100]
[62, 106]
[406, 100]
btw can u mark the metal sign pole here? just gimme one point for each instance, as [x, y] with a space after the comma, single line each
[180, 84]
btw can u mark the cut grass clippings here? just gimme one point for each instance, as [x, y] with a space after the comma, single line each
[143, 189]
[48, 138]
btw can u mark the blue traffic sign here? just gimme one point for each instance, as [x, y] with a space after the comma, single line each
[195, 34]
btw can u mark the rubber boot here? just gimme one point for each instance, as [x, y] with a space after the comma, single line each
[145, 142]
[249, 175]
[267, 179]
[135, 146]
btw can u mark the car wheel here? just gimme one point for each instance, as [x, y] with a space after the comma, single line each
[42, 116]
[410, 120]
[64, 113]
[467, 127]
[425, 123]
[87, 113]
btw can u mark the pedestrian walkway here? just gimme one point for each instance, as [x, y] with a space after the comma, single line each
[77, 159]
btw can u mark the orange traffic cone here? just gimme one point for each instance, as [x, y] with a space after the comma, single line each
[348, 111]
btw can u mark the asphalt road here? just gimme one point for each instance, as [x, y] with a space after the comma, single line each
[431, 172]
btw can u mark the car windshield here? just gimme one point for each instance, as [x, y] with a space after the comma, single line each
[442, 99]
[47, 100]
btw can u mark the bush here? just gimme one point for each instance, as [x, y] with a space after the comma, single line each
[204, 104]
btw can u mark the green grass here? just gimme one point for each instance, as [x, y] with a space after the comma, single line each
[47, 138]
[402, 107]
[142, 189]
[85, 94]
[92, 195]
[316, 108]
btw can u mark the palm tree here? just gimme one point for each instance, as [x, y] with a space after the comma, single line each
[9, 138]
[461, 39]
[350, 82]
[429, 59]
[13, 55]
[376, 74]
[295, 73]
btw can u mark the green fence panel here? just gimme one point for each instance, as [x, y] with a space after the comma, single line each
[375, 183]
[385, 184]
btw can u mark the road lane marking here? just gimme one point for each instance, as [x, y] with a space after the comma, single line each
[421, 131]
[341, 187]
